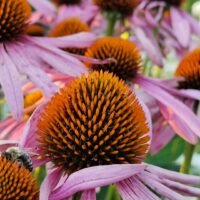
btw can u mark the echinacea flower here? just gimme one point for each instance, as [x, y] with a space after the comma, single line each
[96, 132]
[10, 128]
[23, 54]
[188, 71]
[16, 182]
[68, 27]
[123, 7]
[127, 66]
[161, 26]
[59, 10]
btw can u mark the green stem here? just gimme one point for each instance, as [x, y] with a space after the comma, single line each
[111, 20]
[112, 193]
[188, 153]
[189, 149]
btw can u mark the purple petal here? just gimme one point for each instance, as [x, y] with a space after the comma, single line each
[44, 6]
[126, 191]
[150, 46]
[49, 183]
[182, 188]
[170, 102]
[27, 65]
[10, 82]
[174, 176]
[92, 177]
[60, 60]
[5, 144]
[158, 187]
[133, 189]
[28, 139]
[181, 27]
[162, 134]
[79, 40]
[88, 195]
[182, 129]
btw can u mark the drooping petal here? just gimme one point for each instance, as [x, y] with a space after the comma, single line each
[126, 191]
[182, 188]
[29, 66]
[92, 177]
[174, 176]
[78, 40]
[5, 144]
[153, 182]
[44, 6]
[150, 46]
[49, 183]
[181, 27]
[182, 129]
[58, 59]
[170, 102]
[162, 134]
[88, 195]
[10, 82]
[28, 139]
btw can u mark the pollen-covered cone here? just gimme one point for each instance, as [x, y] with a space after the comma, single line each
[32, 56]
[68, 27]
[96, 120]
[16, 182]
[125, 7]
[189, 69]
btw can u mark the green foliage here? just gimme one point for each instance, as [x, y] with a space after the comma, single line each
[168, 154]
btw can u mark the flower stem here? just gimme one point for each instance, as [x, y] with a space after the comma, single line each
[188, 153]
[189, 149]
[112, 193]
[111, 20]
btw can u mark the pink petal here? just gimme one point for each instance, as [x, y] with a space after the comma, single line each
[170, 102]
[158, 187]
[28, 139]
[28, 65]
[182, 188]
[10, 82]
[182, 129]
[88, 195]
[5, 144]
[79, 40]
[174, 176]
[49, 183]
[126, 191]
[43, 6]
[194, 24]
[180, 25]
[92, 177]
[150, 46]
[60, 60]
[162, 134]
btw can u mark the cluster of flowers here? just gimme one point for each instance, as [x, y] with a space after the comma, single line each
[81, 103]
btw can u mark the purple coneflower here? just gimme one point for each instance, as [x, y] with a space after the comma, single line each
[187, 90]
[96, 132]
[127, 66]
[10, 128]
[174, 27]
[23, 54]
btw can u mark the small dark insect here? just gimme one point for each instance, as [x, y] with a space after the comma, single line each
[19, 156]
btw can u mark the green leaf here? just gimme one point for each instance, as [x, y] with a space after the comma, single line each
[168, 154]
